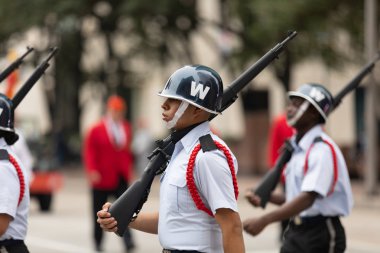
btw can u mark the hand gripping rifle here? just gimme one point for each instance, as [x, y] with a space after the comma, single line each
[126, 208]
[6, 72]
[271, 178]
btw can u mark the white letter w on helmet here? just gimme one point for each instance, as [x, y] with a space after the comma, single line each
[199, 89]
[317, 95]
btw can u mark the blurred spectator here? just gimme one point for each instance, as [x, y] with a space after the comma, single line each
[279, 132]
[109, 162]
[142, 145]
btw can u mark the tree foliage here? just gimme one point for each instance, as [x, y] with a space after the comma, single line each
[155, 31]
[331, 30]
[159, 32]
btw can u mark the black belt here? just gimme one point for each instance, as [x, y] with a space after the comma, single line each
[311, 220]
[10, 242]
[179, 251]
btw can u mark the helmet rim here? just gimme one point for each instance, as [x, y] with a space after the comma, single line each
[188, 101]
[7, 129]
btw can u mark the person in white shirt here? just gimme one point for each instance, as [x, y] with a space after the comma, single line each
[318, 190]
[198, 209]
[14, 186]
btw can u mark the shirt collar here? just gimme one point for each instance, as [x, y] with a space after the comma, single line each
[309, 137]
[190, 139]
[109, 121]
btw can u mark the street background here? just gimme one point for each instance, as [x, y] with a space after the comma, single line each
[67, 228]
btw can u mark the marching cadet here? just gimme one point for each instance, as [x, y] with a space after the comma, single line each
[14, 186]
[198, 208]
[14, 181]
[318, 190]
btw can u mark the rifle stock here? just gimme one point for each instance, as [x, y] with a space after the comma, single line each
[131, 201]
[127, 206]
[272, 177]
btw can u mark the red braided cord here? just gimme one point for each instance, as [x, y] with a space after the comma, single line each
[20, 177]
[231, 165]
[190, 179]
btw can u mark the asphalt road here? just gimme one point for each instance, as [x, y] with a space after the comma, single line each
[67, 228]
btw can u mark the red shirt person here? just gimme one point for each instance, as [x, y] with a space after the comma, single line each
[108, 160]
[280, 131]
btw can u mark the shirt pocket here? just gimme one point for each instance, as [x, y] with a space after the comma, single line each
[182, 201]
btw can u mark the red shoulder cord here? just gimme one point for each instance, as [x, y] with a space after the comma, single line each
[190, 178]
[20, 177]
[335, 164]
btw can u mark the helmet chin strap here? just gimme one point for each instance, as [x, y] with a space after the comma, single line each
[181, 109]
[301, 110]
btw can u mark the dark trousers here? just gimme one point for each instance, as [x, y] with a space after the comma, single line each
[319, 235]
[283, 226]
[13, 246]
[99, 197]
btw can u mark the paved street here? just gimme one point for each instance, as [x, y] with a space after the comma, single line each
[67, 229]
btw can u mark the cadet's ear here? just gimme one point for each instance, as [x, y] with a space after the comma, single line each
[196, 111]
[200, 114]
[314, 114]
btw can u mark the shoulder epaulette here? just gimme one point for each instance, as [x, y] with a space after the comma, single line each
[4, 154]
[207, 143]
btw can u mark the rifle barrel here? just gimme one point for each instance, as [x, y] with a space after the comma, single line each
[6, 72]
[40, 70]
[355, 82]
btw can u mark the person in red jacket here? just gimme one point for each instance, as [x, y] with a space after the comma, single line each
[279, 132]
[109, 161]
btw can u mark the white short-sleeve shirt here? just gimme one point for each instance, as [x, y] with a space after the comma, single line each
[181, 225]
[9, 196]
[319, 176]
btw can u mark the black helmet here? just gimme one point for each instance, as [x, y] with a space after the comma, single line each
[317, 95]
[198, 85]
[7, 120]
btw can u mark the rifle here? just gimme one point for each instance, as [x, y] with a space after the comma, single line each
[272, 177]
[126, 208]
[6, 72]
[40, 70]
